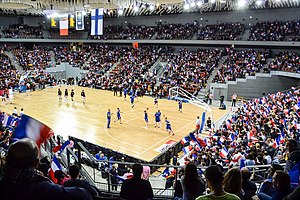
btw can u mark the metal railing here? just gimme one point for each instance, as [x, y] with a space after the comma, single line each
[102, 178]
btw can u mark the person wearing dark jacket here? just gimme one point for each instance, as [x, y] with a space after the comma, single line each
[22, 181]
[281, 187]
[248, 186]
[75, 181]
[136, 187]
[294, 154]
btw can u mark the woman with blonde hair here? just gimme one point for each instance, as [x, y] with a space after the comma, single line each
[233, 182]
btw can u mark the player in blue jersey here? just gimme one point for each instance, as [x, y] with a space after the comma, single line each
[168, 126]
[132, 100]
[119, 118]
[180, 106]
[157, 119]
[125, 93]
[156, 102]
[109, 114]
[131, 92]
[146, 118]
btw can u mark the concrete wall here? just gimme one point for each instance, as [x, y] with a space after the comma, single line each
[255, 87]
[243, 16]
[65, 70]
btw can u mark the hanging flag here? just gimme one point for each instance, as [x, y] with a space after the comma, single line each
[64, 26]
[71, 21]
[97, 21]
[32, 129]
[53, 22]
[79, 20]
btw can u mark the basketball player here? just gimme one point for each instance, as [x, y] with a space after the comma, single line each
[15, 111]
[27, 89]
[3, 96]
[157, 119]
[156, 102]
[109, 114]
[119, 118]
[125, 93]
[66, 95]
[180, 106]
[21, 112]
[83, 97]
[168, 126]
[7, 97]
[132, 100]
[72, 95]
[59, 95]
[146, 118]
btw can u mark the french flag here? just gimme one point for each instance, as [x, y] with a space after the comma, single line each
[54, 167]
[32, 129]
[222, 140]
[224, 153]
[186, 150]
[97, 21]
[231, 137]
[7, 120]
[184, 141]
[61, 148]
[297, 106]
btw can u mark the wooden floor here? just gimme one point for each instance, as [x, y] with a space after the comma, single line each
[88, 122]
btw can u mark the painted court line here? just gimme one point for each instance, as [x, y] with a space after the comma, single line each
[104, 126]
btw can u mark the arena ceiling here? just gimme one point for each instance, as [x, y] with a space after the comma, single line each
[115, 8]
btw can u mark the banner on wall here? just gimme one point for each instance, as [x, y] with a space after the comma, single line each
[53, 22]
[97, 21]
[71, 21]
[64, 25]
[79, 20]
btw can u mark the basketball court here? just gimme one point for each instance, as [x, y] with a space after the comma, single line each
[88, 122]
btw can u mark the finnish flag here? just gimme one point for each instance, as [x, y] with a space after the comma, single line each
[97, 21]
